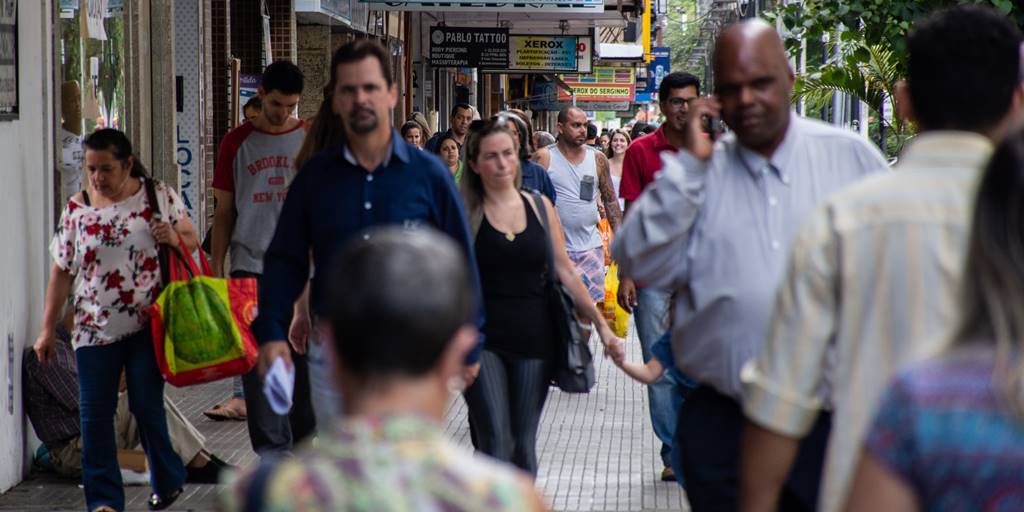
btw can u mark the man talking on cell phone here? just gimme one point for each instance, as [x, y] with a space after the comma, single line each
[713, 229]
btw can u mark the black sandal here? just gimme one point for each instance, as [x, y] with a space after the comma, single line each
[158, 503]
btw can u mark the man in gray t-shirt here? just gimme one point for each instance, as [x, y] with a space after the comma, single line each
[255, 165]
[581, 178]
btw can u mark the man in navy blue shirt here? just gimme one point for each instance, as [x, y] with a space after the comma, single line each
[373, 178]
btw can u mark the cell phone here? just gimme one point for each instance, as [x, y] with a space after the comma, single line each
[712, 126]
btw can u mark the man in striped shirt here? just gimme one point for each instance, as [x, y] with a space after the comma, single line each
[872, 277]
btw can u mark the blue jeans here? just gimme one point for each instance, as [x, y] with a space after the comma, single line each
[652, 322]
[99, 374]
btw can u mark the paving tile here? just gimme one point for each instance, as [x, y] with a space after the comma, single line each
[597, 452]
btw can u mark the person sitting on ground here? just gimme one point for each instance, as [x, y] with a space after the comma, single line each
[400, 356]
[52, 406]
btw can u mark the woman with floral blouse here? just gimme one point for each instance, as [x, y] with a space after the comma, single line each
[105, 256]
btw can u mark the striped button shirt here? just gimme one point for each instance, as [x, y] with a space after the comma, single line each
[717, 233]
[870, 287]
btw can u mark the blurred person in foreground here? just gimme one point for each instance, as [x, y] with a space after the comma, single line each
[872, 276]
[400, 358]
[714, 230]
[949, 433]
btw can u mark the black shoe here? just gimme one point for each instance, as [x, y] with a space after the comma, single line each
[219, 463]
[208, 474]
[158, 503]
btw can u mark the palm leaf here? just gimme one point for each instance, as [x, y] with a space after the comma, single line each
[871, 80]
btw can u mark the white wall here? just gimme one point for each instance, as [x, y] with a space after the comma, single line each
[26, 175]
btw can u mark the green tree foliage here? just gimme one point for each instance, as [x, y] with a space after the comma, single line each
[882, 23]
[683, 35]
[867, 50]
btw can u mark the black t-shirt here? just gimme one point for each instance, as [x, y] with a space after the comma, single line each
[513, 276]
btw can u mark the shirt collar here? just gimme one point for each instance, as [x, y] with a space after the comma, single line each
[947, 149]
[660, 140]
[780, 161]
[400, 150]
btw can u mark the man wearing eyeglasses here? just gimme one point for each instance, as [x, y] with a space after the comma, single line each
[641, 163]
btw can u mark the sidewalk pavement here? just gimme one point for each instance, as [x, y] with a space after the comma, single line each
[597, 451]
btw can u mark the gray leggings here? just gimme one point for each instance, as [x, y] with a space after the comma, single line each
[505, 404]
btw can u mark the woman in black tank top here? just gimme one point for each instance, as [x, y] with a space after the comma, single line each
[506, 400]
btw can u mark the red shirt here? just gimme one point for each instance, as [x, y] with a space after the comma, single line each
[642, 163]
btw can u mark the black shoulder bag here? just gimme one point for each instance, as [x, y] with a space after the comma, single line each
[574, 363]
[154, 208]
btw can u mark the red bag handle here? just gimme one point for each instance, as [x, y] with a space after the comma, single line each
[183, 266]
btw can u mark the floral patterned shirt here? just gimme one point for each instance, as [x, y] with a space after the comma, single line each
[113, 256]
[396, 464]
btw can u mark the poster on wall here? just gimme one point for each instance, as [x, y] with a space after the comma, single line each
[248, 87]
[8, 59]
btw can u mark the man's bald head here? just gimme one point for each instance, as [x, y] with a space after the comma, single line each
[572, 127]
[751, 39]
[754, 83]
[569, 112]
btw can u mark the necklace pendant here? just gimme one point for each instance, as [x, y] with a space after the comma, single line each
[510, 236]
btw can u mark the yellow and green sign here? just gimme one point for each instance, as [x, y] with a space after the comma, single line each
[542, 53]
[606, 83]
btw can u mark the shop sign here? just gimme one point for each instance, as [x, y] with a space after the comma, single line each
[8, 60]
[546, 54]
[564, 7]
[605, 84]
[469, 47]
[188, 66]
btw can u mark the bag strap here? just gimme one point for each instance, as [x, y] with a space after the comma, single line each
[162, 250]
[85, 198]
[542, 212]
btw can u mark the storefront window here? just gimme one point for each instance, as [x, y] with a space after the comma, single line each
[92, 78]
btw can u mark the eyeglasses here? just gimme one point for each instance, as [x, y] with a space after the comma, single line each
[678, 102]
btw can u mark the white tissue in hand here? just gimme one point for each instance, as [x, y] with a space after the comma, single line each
[278, 386]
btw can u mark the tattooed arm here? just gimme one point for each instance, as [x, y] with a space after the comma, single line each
[608, 197]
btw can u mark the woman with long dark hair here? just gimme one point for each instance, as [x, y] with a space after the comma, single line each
[105, 254]
[511, 245]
